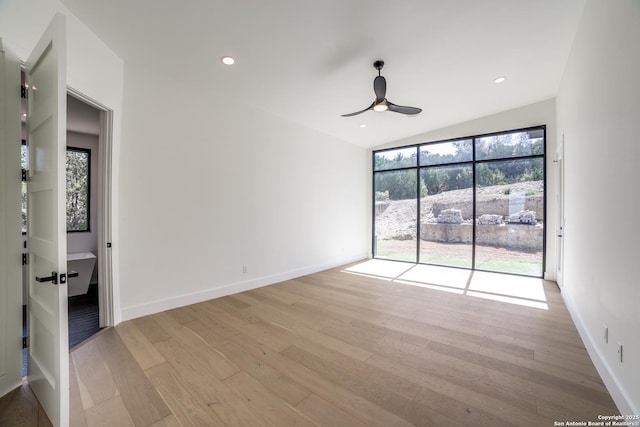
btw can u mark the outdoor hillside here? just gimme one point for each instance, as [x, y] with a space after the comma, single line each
[395, 219]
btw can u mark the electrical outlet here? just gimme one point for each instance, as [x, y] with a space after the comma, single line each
[244, 269]
[620, 352]
[606, 334]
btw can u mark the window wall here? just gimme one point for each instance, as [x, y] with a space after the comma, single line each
[475, 202]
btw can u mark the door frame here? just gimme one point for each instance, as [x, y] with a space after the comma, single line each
[560, 227]
[105, 266]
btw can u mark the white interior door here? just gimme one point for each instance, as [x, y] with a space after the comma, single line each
[48, 363]
[10, 239]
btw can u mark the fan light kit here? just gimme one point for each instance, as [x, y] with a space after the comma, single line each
[381, 103]
[227, 60]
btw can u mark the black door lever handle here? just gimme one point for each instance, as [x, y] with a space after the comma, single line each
[72, 274]
[53, 278]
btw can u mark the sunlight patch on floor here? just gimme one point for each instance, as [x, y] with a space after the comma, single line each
[505, 284]
[510, 300]
[436, 275]
[380, 268]
[519, 290]
[434, 287]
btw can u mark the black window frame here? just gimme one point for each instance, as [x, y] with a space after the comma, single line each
[473, 162]
[88, 152]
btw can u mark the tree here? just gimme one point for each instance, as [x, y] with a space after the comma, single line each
[77, 190]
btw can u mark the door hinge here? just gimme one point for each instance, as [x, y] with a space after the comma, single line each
[25, 259]
[25, 342]
[25, 175]
[23, 92]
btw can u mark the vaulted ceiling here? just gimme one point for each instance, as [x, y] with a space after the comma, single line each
[310, 61]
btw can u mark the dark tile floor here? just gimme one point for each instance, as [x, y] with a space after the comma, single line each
[83, 320]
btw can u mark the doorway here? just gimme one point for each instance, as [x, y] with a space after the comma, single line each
[88, 217]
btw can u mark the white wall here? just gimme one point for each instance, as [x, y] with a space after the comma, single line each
[92, 69]
[208, 186]
[10, 295]
[540, 113]
[598, 113]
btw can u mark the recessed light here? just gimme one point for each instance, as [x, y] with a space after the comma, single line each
[363, 125]
[227, 60]
[500, 79]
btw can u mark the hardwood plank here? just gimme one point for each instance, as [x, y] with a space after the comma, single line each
[281, 385]
[92, 375]
[209, 333]
[470, 395]
[384, 379]
[181, 315]
[539, 377]
[140, 347]
[334, 348]
[216, 363]
[76, 409]
[264, 403]
[492, 383]
[297, 329]
[187, 405]
[170, 421]
[251, 325]
[325, 414]
[351, 403]
[408, 409]
[19, 407]
[112, 412]
[197, 380]
[43, 419]
[150, 329]
[144, 404]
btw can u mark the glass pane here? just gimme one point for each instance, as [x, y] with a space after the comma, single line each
[515, 144]
[395, 159]
[446, 223]
[78, 189]
[395, 215]
[510, 216]
[446, 152]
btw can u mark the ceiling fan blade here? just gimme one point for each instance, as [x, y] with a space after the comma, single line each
[380, 88]
[403, 110]
[370, 107]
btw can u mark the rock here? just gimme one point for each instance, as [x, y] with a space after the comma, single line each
[523, 217]
[490, 219]
[450, 216]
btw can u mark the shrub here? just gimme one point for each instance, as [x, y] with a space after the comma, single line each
[382, 196]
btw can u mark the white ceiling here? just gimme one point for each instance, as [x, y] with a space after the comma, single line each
[310, 61]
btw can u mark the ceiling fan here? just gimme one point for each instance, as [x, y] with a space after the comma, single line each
[381, 103]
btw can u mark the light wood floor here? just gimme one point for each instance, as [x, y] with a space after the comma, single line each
[340, 349]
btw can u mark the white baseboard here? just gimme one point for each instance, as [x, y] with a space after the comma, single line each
[232, 288]
[621, 399]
